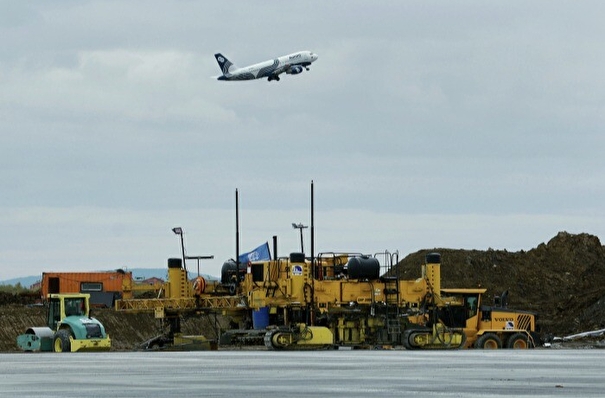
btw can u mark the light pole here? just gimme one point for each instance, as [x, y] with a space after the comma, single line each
[301, 227]
[179, 231]
[198, 258]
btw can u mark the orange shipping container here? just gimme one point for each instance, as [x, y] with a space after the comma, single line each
[84, 282]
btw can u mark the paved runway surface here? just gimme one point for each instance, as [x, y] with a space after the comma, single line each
[547, 373]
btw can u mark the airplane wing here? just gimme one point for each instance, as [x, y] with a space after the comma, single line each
[290, 69]
[281, 69]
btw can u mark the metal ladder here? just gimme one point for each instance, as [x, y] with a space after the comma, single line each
[391, 293]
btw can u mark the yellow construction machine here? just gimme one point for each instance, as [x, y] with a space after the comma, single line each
[339, 299]
[336, 299]
[180, 297]
[343, 299]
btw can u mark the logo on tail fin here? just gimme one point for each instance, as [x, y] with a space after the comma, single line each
[224, 63]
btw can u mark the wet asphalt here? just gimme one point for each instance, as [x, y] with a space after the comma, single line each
[339, 373]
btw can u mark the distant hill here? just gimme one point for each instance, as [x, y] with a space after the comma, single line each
[25, 281]
[137, 274]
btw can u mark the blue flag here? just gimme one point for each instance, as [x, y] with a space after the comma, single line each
[261, 253]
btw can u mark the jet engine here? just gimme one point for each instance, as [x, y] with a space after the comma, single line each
[294, 70]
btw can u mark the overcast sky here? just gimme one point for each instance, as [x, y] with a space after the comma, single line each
[423, 124]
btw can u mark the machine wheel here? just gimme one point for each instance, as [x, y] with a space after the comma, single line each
[488, 341]
[408, 340]
[269, 340]
[518, 341]
[61, 341]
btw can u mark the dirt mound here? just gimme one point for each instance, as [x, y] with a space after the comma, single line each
[562, 280]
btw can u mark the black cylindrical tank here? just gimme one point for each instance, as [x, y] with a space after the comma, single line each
[363, 268]
[433, 258]
[174, 263]
[228, 270]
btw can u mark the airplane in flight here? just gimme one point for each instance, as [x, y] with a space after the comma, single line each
[291, 64]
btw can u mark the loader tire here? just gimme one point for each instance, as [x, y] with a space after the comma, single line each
[518, 341]
[489, 341]
[61, 341]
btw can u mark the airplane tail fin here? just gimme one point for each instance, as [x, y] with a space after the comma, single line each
[225, 65]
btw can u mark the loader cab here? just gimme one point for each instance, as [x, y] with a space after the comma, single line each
[461, 307]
